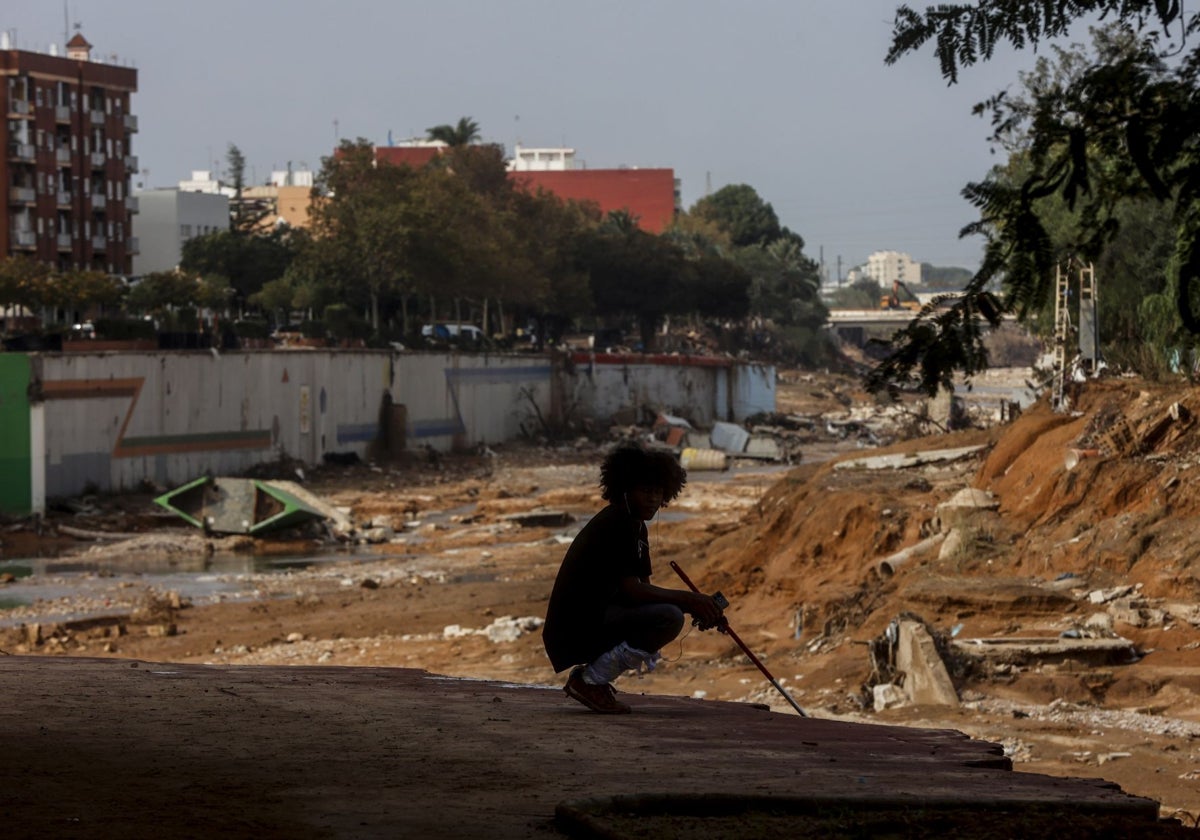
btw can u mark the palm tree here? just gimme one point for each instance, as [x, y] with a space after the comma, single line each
[463, 134]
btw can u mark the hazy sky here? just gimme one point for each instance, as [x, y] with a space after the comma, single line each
[789, 96]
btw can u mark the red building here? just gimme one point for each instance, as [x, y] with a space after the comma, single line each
[415, 156]
[647, 194]
[67, 138]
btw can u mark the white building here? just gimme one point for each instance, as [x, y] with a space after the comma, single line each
[167, 218]
[541, 160]
[202, 181]
[886, 267]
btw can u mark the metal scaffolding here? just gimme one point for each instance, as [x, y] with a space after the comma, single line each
[1084, 342]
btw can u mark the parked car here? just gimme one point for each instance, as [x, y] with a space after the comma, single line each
[456, 332]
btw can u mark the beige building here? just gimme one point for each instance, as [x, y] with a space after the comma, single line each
[886, 267]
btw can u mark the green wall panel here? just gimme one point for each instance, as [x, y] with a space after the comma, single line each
[15, 473]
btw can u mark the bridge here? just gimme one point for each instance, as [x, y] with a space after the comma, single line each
[856, 326]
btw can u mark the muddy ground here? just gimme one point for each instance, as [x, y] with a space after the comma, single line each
[1104, 549]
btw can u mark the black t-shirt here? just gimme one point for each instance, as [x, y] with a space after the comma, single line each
[611, 547]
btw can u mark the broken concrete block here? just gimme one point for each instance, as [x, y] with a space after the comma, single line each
[927, 681]
[1103, 596]
[1136, 612]
[952, 546]
[887, 696]
[377, 535]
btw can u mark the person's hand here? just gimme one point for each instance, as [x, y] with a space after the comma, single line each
[706, 611]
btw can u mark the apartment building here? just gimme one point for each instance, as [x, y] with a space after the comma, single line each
[887, 267]
[68, 158]
[168, 218]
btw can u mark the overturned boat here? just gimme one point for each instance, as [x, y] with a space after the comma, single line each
[240, 505]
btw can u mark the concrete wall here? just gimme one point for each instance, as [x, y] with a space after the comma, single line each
[702, 390]
[110, 421]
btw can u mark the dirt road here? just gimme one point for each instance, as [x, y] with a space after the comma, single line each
[462, 587]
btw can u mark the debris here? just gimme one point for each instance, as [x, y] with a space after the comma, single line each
[703, 459]
[1103, 596]
[729, 437]
[887, 696]
[1074, 456]
[238, 505]
[926, 679]
[540, 518]
[907, 667]
[902, 460]
[1020, 651]
[887, 567]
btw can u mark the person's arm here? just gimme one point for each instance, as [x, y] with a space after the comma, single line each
[703, 607]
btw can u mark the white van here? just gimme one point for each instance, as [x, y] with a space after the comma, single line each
[446, 332]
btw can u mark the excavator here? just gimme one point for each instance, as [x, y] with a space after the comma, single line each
[893, 300]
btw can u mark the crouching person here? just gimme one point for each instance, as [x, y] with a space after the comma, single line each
[604, 616]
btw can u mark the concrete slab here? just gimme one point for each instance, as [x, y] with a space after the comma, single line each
[105, 747]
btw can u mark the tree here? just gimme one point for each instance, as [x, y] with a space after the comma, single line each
[741, 214]
[638, 275]
[785, 283]
[246, 260]
[861, 294]
[464, 133]
[244, 216]
[1116, 127]
[160, 291]
[23, 282]
[83, 291]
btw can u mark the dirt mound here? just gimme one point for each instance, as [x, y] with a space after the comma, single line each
[1120, 511]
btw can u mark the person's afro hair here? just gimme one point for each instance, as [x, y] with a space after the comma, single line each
[630, 465]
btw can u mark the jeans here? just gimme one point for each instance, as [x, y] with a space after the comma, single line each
[647, 627]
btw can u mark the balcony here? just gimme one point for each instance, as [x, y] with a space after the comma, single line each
[62, 113]
[19, 108]
[22, 195]
[21, 151]
[63, 241]
[62, 155]
[99, 243]
[23, 239]
[63, 199]
[131, 123]
[131, 246]
[131, 163]
[98, 160]
[97, 117]
[131, 203]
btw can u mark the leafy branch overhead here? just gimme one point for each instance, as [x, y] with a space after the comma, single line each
[1086, 137]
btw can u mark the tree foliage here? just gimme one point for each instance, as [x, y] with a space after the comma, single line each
[247, 261]
[741, 214]
[1103, 130]
[464, 133]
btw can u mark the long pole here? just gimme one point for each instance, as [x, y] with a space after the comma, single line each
[724, 627]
